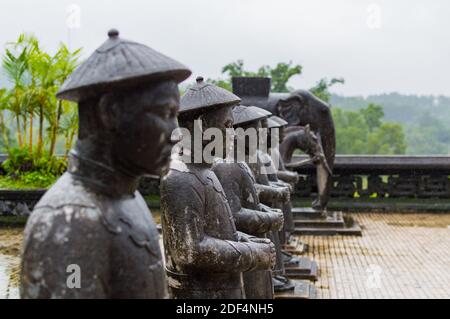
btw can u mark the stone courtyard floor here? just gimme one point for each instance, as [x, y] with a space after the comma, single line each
[398, 256]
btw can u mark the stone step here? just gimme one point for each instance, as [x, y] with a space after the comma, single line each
[303, 290]
[306, 213]
[353, 230]
[306, 270]
[295, 247]
[332, 220]
[319, 224]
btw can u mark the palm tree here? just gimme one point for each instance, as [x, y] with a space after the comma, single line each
[4, 103]
[15, 68]
[41, 67]
[69, 125]
[36, 76]
[65, 62]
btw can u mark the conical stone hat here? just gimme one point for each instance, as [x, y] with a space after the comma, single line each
[245, 114]
[277, 122]
[272, 124]
[205, 95]
[260, 110]
[118, 63]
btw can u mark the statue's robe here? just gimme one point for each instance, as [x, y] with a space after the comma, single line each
[205, 258]
[239, 185]
[109, 243]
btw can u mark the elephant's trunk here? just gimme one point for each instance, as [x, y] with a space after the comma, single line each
[328, 140]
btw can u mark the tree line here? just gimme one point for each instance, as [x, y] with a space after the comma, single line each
[363, 130]
[35, 126]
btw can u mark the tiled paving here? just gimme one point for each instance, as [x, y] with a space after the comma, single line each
[9, 277]
[399, 256]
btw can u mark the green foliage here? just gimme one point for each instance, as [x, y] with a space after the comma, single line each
[364, 132]
[38, 179]
[428, 134]
[31, 170]
[7, 182]
[224, 84]
[373, 115]
[34, 77]
[424, 118]
[351, 132]
[29, 108]
[322, 88]
[280, 74]
[387, 139]
[19, 160]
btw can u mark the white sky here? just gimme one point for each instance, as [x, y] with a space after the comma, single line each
[406, 50]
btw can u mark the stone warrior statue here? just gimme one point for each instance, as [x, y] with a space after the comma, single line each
[290, 261]
[205, 255]
[92, 223]
[275, 122]
[299, 108]
[269, 193]
[249, 214]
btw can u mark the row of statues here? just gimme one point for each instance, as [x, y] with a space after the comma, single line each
[224, 223]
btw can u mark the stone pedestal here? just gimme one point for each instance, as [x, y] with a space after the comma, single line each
[306, 269]
[295, 247]
[303, 290]
[311, 222]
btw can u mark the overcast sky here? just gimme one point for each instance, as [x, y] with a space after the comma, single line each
[377, 46]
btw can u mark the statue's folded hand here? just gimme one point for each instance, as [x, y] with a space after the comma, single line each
[264, 253]
[275, 219]
[284, 194]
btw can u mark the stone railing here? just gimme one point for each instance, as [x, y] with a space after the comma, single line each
[364, 177]
[18, 202]
[383, 177]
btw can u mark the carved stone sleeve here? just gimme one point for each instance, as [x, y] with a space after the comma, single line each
[56, 258]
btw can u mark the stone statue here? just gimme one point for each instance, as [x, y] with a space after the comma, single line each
[92, 235]
[291, 262]
[275, 122]
[303, 108]
[269, 193]
[205, 254]
[250, 217]
[290, 179]
[299, 108]
[302, 138]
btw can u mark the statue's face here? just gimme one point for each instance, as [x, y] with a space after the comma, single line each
[143, 132]
[220, 118]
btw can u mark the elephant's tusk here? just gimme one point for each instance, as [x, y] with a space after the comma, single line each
[299, 163]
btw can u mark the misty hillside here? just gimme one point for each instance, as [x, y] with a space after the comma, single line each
[399, 108]
[425, 119]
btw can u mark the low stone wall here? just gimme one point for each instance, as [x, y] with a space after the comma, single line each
[422, 179]
[368, 177]
[19, 202]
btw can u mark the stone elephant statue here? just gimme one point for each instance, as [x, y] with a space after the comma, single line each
[302, 108]
[299, 108]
